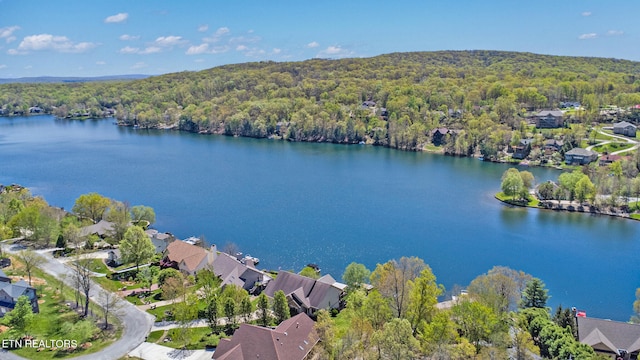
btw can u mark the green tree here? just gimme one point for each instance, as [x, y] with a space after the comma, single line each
[500, 288]
[91, 205]
[280, 306]
[474, 321]
[20, 317]
[120, 217]
[568, 182]
[246, 308]
[395, 341]
[436, 336]
[230, 312]
[208, 283]
[263, 310]
[534, 295]
[136, 246]
[423, 298]
[309, 272]
[393, 281]
[147, 275]
[212, 313]
[166, 274]
[376, 309]
[355, 275]
[326, 332]
[143, 213]
[512, 184]
[584, 189]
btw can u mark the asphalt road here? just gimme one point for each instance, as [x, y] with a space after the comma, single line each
[136, 323]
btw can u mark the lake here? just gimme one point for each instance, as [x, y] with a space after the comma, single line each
[296, 203]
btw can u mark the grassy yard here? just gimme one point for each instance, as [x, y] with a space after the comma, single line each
[197, 338]
[530, 202]
[611, 147]
[56, 315]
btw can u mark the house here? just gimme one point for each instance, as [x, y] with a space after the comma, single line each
[306, 294]
[160, 240]
[553, 145]
[608, 159]
[612, 338]
[10, 292]
[523, 149]
[293, 339]
[624, 128]
[103, 229]
[231, 271]
[580, 156]
[187, 258]
[549, 119]
[438, 135]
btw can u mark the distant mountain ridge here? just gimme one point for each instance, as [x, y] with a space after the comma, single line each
[70, 79]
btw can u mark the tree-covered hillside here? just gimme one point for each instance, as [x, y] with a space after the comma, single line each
[392, 100]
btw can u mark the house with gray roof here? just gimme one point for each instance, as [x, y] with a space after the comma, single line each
[231, 271]
[549, 119]
[624, 128]
[612, 338]
[307, 295]
[293, 339]
[103, 228]
[580, 156]
[10, 292]
[160, 240]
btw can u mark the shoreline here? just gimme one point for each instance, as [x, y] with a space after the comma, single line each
[565, 206]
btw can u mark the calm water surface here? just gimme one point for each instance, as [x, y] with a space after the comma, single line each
[296, 203]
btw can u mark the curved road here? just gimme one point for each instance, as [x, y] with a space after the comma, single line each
[629, 140]
[136, 323]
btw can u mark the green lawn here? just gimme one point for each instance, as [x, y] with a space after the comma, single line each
[531, 201]
[47, 324]
[197, 338]
[635, 216]
[611, 147]
[154, 336]
[98, 265]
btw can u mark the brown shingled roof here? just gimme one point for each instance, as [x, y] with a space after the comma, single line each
[180, 251]
[293, 339]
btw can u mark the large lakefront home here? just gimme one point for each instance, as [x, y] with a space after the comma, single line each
[293, 339]
[306, 294]
[10, 292]
[615, 339]
[188, 258]
[549, 119]
[624, 128]
[580, 156]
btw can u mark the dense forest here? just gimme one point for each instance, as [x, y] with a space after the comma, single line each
[393, 100]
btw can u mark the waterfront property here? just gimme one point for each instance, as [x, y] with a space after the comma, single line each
[103, 229]
[611, 338]
[580, 156]
[549, 119]
[307, 295]
[188, 258]
[231, 271]
[160, 240]
[293, 339]
[10, 292]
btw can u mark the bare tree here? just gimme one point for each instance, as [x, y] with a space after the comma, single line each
[31, 260]
[83, 279]
[110, 305]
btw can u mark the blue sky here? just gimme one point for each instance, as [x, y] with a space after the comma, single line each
[94, 38]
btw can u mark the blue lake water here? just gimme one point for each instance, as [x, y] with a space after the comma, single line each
[296, 203]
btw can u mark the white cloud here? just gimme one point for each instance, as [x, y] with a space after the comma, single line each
[50, 42]
[615, 32]
[221, 32]
[2, 66]
[586, 13]
[168, 41]
[139, 65]
[117, 18]
[335, 52]
[129, 50]
[150, 50]
[276, 51]
[241, 48]
[244, 39]
[127, 37]
[312, 45]
[203, 28]
[7, 33]
[198, 49]
[101, 63]
[588, 36]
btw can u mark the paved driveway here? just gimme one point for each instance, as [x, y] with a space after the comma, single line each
[136, 324]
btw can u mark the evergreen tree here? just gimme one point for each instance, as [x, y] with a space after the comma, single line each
[280, 306]
[263, 309]
[534, 295]
[20, 317]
